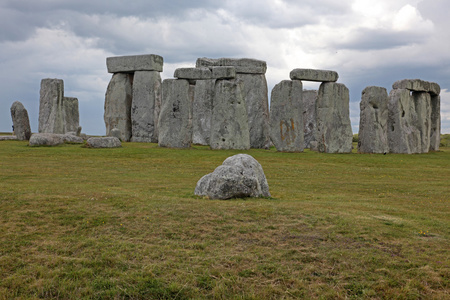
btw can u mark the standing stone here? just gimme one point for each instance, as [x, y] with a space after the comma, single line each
[21, 122]
[309, 116]
[118, 105]
[146, 96]
[229, 123]
[202, 111]
[373, 121]
[71, 114]
[422, 104]
[286, 117]
[403, 135]
[51, 111]
[334, 131]
[173, 125]
[435, 134]
[256, 97]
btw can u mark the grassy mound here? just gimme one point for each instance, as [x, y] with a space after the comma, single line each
[124, 223]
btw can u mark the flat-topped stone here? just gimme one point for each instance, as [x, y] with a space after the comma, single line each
[131, 63]
[314, 75]
[418, 85]
[202, 73]
[242, 65]
[103, 142]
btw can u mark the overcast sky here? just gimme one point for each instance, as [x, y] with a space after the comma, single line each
[368, 42]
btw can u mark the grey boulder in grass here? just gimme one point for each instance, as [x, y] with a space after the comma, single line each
[239, 176]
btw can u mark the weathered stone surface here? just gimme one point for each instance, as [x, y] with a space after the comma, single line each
[239, 176]
[223, 72]
[286, 118]
[334, 131]
[115, 133]
[146, 96]
[46, 139]
[71, 114]
[309, 98]
[174, 126]
[435, 134]
[193, 73]
[8, 138]
[103, 142]
[373, 121]
[418, 85]
[51, 111]
[314, 75]
[242, 65]
[21, 122]
[202, 111]
[73, 139]
[132, 63]
[422, 103]
[403, 135]
[257, 100]
[118, 105]
[229, 121]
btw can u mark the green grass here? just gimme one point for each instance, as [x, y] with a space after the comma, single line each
[79, 223]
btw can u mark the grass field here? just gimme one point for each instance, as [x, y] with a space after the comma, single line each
[79, 223]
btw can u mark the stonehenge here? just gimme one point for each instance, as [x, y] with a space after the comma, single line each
[21, 122]
[57, 114]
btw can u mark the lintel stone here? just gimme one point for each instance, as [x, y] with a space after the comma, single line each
[314, 75]
[242, 65]
[418, 85]
[193, 73]
[223, 72]
[131, 63]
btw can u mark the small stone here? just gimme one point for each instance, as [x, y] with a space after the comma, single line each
[239, 176]
[314, 75]
[103, 142]
[132, 63]
[46, 139]
[21, 122]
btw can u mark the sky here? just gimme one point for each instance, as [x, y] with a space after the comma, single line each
[368, 42]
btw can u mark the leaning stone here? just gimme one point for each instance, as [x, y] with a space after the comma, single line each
[71, 114]
[334, 130]
[46, 139]
[146, 96]
[257, 100]
[242, 65]
[174, 126]
[51, 110]
[418, 85]
[422, 103]
[309, 116]
[132, 63]
[193, 73]
[239, 176]
[202, 111]
[314, 75]
[103, 142]
[21, 122]
[223, 72]
[286, 120]
[403, 135]
[118, 105]
[373, 121]
[229, 121]
[435, 134]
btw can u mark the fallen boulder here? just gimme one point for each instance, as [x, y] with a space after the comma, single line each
[103, 142]
[239, 176]
[46, 139]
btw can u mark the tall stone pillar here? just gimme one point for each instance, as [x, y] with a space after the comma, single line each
[51, 111]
